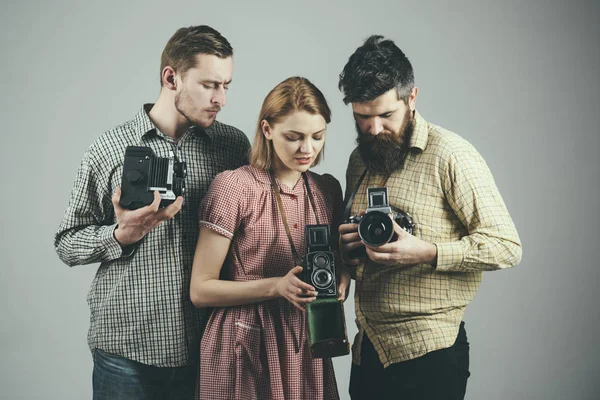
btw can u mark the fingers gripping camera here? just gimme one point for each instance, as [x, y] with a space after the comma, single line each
[375, 227]
[319, 261]
[144, 172]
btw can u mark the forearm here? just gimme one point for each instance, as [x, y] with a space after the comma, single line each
[478, 252]
[222, 293]
[87, 245]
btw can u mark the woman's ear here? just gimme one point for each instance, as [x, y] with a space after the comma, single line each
[266, 129]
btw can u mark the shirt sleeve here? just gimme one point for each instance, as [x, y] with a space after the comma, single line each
[336, 202]
[492, 241]
[85, 234]
[222, 208]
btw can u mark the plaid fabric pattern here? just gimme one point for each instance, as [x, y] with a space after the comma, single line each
[260, 351]
[446, 186]
[139, 301]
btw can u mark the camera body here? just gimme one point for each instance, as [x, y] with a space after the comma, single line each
[325, 319]
[144, 172]
[375, 227]
[319, 261]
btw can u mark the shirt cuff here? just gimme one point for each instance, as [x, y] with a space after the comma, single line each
[113, 247]
[450, 256]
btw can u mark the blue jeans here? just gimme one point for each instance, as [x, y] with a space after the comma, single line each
[117, 378]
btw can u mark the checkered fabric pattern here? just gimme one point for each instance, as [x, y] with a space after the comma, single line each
[260, 351]
[139, 301]
[447, 188]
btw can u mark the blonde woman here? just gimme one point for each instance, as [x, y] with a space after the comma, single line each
[254, 346]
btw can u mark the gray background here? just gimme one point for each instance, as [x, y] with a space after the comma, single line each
[519, 80]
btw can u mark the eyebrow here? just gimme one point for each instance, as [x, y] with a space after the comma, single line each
[374, 115]
[216, 81]
[302, 133]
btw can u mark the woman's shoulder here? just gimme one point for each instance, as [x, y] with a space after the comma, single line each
[245, 176]
[325, 183]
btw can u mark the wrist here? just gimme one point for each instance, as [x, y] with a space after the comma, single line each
[120, 238]
[430, 254]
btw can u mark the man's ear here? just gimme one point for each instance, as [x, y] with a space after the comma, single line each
[168, 78]
[412, 99]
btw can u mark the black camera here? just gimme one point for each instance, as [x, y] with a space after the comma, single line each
[319, 262]
[325, 316]
[144, 172]
[375, 227]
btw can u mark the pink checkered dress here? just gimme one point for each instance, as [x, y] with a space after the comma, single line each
[260, 351]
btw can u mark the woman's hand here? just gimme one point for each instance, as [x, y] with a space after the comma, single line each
[343, 283]
[295, 290]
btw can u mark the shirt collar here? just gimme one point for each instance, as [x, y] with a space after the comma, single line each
[143, 125]
[420, 132]
[262, 176]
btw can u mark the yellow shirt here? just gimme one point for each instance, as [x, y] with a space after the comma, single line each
[447, 188]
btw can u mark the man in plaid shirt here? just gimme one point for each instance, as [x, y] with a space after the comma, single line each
[411, 293]
[144, 331]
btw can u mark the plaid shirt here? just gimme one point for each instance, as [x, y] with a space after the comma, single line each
[139, 300]
[447, 188]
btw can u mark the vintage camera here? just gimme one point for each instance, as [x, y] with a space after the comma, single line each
[375, 227]
[326, 323]
[319, 262]
[144, 172]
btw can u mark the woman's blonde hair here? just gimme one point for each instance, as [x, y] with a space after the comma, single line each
[293, 94]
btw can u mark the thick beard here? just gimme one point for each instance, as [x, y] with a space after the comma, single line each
[385, 153]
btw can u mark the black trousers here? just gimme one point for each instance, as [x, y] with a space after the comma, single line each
[439, 375]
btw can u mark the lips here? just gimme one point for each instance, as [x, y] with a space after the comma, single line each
[303, 160]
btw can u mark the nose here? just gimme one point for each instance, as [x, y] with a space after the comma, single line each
[376, 126]
[219, 96]
[305, 146]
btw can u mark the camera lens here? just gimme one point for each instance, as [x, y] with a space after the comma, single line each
[321, 261]
[322, 278]
[375, 228]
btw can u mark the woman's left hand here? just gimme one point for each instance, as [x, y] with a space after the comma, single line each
[343, 283]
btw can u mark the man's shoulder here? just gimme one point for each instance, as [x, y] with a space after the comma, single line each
[447, 143]
[225, 132]
[354, 160]
[110, 146]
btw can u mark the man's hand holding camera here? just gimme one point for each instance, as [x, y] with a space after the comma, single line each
[133, 225]
[405, 250]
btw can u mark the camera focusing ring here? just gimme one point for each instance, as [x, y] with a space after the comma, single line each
[322, 278]
[375, 228]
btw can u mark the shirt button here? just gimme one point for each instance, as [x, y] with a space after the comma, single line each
[296, 226]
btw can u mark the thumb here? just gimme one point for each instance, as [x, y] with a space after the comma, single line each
[398, 229]
[296, 270]
[116, 197]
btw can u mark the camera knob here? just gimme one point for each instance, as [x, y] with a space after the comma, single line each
[134, 176]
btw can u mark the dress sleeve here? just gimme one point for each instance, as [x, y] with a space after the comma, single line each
[222, 209]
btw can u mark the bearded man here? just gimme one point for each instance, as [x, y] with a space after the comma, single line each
[411, 292]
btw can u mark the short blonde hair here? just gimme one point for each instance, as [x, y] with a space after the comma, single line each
[293, 94]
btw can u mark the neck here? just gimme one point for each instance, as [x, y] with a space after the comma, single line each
[285, 175]
[166, 117]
